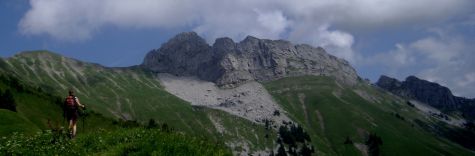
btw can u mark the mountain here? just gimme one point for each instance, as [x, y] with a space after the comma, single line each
[341, 118]
[257, 96]
[316, 90]
[230, 64]
[35, 126]
[428, 92]
[132, 94]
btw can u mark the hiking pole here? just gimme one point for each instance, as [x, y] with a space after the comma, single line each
[84, 113]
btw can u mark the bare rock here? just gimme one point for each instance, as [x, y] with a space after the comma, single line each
[231, 64]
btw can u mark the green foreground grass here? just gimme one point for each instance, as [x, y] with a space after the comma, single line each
[129, 141]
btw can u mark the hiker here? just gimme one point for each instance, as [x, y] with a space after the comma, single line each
[72, 105]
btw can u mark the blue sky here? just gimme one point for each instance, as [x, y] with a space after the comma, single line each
[432, 39]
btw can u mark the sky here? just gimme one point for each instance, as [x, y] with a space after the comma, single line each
[431, 39]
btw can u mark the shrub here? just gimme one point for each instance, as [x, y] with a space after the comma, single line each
[7, 101]
[373, 142]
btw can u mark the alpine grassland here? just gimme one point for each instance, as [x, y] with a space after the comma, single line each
[130, 95]
[341, 119]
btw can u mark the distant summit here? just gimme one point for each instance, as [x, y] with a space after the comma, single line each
[428, 92]
[230, 64]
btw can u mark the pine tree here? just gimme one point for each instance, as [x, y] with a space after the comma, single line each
[281, 151]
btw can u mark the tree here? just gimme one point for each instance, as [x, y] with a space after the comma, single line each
[373, 144]
[7, 101]
[469, 125]
[348, 140]
[306, 151]
[281, 151]
[276, 113]
[296, 139]
[152, 124]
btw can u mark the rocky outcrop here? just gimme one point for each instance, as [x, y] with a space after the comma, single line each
[428, 92]
[230, 64]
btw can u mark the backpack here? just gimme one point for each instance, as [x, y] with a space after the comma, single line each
[70, 101]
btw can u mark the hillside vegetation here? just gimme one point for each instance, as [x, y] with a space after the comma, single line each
[129, 141]
[37, 110]
[331, 118]
[36, 127]
[129, 94]
[357, 120]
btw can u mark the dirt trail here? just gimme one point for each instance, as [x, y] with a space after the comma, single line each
[320, 119]
[304, 108]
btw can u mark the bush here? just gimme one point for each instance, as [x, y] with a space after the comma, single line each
[469, 125]
[296, 140]
[276, 113]
[152, 124]
[399, 116]
[373, 142]
[348, 141]
[7, 101]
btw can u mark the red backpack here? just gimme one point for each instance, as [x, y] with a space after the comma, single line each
[70, 101]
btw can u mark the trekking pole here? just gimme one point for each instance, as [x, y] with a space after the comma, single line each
[84, 119]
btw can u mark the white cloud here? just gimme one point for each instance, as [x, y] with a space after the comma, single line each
[401, 57]
[80, 19]
[445, 59]
[441, 50]
[274, 22]
[327, 23]
[337, 42]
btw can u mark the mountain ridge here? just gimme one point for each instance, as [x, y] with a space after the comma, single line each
[133, 94]
[316, 102]
[230, 64]
[428, 92]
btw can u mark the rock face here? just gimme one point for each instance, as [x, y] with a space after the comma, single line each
[230, 64]
[428, 92]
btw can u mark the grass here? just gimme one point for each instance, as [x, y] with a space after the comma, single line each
[38, 110]
[129, 94]
[257, 136]
[345, 113]
[12, 122]
[135, 141]
[119, 94]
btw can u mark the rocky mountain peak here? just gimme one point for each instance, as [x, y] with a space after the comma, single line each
[223, 45]
[250, 39]
[388, 82]
[186, 36]
[428, 92]
[422, 90]
[230, 64]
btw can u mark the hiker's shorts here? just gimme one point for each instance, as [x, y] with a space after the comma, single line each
[72, 114]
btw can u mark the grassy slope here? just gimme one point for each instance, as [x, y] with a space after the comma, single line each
[345, 113]
[26, 132]
[35, 109]
[13, 122]
[125, 93]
